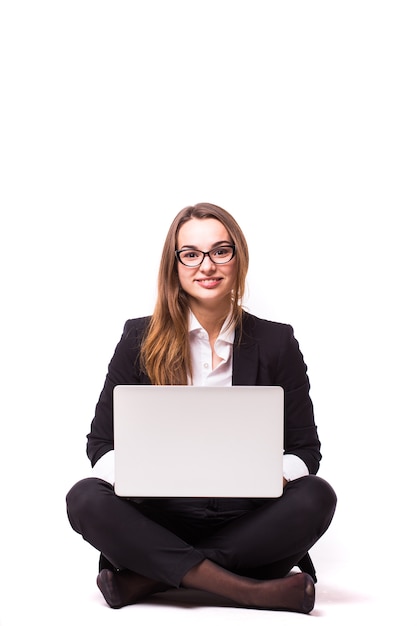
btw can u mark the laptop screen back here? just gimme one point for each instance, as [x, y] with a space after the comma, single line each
[185, 441]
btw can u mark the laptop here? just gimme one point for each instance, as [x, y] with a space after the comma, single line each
[186, 441]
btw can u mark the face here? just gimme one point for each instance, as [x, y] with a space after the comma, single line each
[208, 285]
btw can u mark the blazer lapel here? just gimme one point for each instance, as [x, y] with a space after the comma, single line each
[245, 361]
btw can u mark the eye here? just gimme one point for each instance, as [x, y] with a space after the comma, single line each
[220, 252]
[190, 254]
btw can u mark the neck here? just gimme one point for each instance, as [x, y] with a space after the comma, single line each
[211, 321]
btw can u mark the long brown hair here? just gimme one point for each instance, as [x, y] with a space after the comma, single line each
[165, 354]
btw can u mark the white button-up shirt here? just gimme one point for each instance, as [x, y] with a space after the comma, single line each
[201, 356]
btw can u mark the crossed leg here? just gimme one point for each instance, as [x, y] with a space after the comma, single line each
[216, 564]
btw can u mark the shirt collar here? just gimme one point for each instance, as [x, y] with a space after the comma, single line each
[227, 333]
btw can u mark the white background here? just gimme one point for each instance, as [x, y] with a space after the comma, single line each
[297, 117]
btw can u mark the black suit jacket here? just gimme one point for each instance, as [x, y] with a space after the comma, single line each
[267, 354]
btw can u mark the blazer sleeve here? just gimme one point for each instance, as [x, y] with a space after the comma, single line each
[122, 370]
[300, 431]
[270, 355]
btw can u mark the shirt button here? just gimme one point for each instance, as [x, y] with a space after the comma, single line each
[206, 365]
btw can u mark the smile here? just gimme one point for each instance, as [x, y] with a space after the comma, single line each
[209, 282]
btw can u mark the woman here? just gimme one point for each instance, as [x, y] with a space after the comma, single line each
[243, 550]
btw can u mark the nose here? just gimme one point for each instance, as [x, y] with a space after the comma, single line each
[207, 264]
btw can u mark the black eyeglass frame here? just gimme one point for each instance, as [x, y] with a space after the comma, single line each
[229, 245]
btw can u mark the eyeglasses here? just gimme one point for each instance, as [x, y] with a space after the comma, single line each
[194, 258]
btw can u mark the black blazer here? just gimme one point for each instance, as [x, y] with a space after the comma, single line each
[267, 354]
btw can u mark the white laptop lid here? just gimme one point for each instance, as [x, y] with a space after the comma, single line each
[185, 441]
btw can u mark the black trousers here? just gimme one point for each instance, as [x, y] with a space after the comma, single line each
[164, 538]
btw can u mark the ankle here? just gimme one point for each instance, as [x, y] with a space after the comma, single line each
[126, 587]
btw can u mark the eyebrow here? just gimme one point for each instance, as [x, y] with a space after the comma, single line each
[215, 245]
